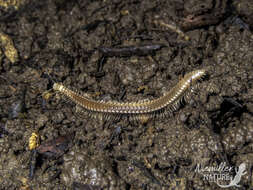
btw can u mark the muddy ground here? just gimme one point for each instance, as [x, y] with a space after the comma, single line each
[62, 39]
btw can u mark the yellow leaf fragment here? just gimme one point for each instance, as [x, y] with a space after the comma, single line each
[11, 3]
[33, 141]
[8, 47]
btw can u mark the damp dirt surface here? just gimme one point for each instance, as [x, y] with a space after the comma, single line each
[65, 41]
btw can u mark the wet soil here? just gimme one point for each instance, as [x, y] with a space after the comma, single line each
[62, 39]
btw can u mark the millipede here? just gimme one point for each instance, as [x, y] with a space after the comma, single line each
[143, 109]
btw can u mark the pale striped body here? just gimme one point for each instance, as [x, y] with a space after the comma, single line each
[169, 100]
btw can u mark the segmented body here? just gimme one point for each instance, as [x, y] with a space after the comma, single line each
[169, 101]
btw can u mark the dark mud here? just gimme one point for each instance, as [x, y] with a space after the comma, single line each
[63, 37]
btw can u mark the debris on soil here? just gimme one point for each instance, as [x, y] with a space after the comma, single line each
[11, 3]
[33, 141]
[56, 147]
[32, 164]
[174, 28]
[202, 14]
[8, 47]
[127, 51]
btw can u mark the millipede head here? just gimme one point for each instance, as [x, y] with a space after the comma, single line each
[58, 86]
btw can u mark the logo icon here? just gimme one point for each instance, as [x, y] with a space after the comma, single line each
[222, 172]
[239, 173]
